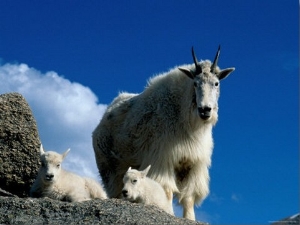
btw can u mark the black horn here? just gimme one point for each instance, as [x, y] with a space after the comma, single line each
[215, 63]
[197, 66]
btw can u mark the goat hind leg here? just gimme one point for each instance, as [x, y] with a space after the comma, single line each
[188, 208]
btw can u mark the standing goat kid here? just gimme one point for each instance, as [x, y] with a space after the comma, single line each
[139, 188]
[56, 183]
[168, 125]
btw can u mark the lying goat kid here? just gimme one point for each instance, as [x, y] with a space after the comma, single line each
[54, 182]
[140, 189]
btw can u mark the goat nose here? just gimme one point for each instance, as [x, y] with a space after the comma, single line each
[49, 176]
[204, 112]
[124, 192]
[206, 109]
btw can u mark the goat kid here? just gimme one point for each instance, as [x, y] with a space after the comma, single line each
[139, 188]
[54, 182]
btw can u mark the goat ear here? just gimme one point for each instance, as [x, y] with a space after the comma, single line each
[42, 150]
[187, 72]
[145, 171]
[224, 73]
[129, 168]
[65, 153]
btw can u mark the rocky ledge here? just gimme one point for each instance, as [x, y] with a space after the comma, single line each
[111, 211]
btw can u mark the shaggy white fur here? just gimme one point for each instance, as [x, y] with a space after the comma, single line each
[54, 182]
[139, 188]
[168, 125]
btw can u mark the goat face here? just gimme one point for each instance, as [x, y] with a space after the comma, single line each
[207, 94]
[133, 184]
[206, 79]
[131, 190]
[51, 166]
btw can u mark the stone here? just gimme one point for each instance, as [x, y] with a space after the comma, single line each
[108, 211]
[19, 145]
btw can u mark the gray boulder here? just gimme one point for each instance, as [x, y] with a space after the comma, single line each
[19, 145]
[109, 211]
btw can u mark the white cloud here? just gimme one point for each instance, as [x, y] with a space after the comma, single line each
[66, 113]
[236, 197]
[214, 198]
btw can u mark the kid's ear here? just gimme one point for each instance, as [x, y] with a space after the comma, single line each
[66, 153]
[145, 171]
[42, 150]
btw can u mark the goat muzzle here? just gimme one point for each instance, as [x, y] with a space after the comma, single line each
[204, 112]
[49, 177]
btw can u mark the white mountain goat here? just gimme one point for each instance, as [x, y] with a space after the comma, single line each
[54, 182]
[168, 125]
[139, 188]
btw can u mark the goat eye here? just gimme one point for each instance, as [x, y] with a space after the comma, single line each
[217, 84]
[134, 181]
[58, 165]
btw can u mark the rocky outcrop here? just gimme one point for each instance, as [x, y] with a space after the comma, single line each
[19, 145]
[110, 211]
[19, 163]
[295, 219]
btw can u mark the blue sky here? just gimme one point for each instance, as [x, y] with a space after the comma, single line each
[71, 58]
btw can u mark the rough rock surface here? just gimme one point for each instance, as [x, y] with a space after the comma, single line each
[19, 163]
[110, 211]
[19, 145]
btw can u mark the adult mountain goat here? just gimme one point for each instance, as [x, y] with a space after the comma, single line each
[168, 125]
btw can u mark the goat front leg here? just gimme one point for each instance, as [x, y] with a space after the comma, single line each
[188, 208]
[169, 194]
